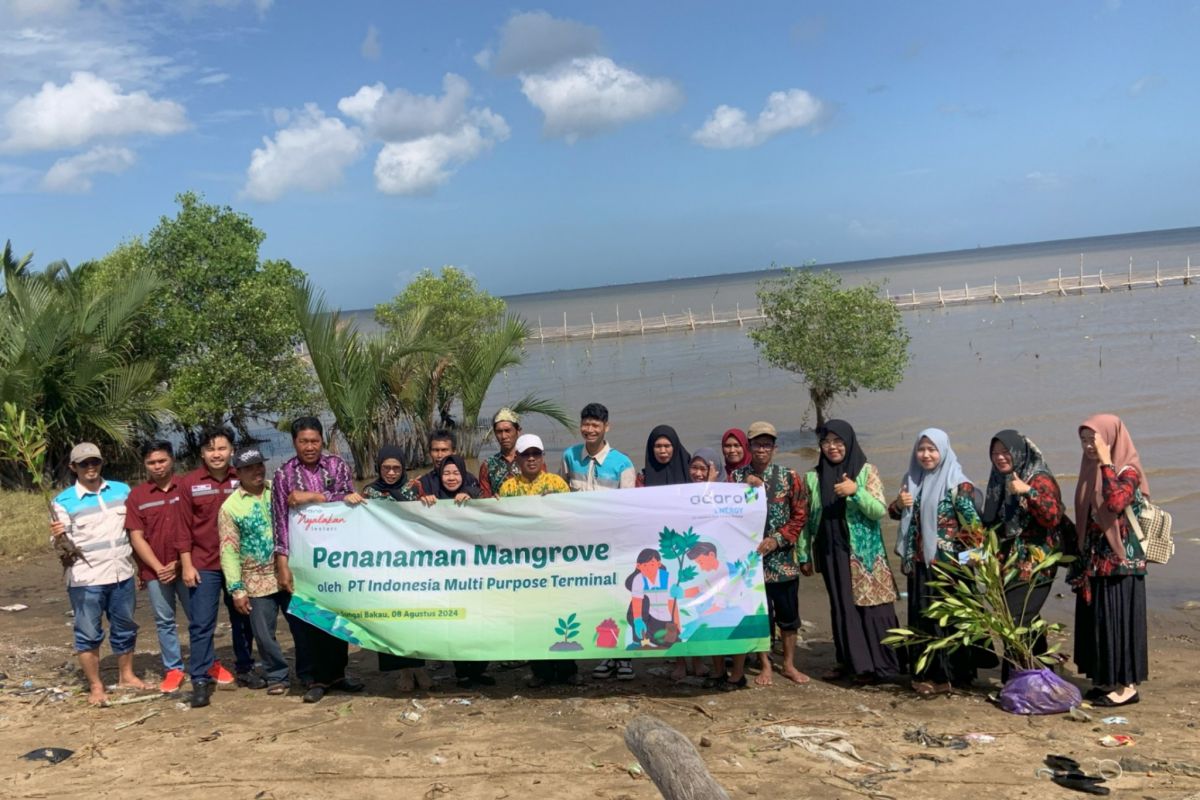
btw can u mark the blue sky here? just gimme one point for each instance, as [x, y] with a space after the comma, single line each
[566, 145]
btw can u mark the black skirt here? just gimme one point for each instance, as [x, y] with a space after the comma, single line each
[959, 666]
[857, 630]
[1110, 633]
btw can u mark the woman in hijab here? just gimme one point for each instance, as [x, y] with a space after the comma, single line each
[736, 448]
[846, 503]
[666, 459]
[1110, 607]
[392, 485]
[456, 483]
[705, 466]
[1024, 501]
[938, 521]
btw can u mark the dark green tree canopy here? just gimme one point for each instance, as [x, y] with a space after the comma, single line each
[222, 331]
[840, 339]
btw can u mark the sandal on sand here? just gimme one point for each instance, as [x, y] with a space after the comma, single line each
[732, 686]
[838, 673]
[277, 689]
[929, 689]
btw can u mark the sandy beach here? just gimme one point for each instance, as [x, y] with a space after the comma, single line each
[512, 742]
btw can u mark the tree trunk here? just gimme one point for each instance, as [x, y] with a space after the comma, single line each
[820, 400]
[671, 761]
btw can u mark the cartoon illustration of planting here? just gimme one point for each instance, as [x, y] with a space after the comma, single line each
[568, 629]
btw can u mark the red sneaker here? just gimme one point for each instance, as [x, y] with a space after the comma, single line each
[222, 676]
[172, 681]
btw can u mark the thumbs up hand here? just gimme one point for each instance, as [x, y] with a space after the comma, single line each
[845, 487]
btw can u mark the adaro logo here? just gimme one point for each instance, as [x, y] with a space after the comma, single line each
[319, 521]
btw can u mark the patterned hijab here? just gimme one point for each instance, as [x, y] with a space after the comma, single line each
[395, 488]
[1001, 505]
[674, 471]
[1089, 492]
[928, 489]
[740, 435]
[710, 457]
[833, 508]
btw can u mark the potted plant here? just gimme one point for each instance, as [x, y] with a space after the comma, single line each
[972, 610]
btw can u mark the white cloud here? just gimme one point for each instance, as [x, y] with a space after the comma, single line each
[536, 41]
[24, 9]
[87, 107]
[74, 174]
[421, 165]
[372, 48]
[728, 127]
[484, 58]
[399, 114]
[1145, 84]
[588, 95]
[213, 78]
[310, 154]
[1043, 180]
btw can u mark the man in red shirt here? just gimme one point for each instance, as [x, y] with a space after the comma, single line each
[202, 491]
[152, 519]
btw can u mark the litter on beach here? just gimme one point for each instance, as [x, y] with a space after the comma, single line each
[14, 607]
[1118, 740]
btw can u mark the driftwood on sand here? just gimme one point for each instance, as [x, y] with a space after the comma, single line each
[671, 761]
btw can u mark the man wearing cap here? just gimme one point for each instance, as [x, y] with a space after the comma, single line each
[248, 561]
[532, 480]
[506, 427]
[152, 519]
[92, 512]
[785, 556]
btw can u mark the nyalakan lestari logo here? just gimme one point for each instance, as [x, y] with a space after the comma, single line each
[319, 520]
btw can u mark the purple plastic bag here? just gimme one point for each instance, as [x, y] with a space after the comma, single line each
[1038, 691]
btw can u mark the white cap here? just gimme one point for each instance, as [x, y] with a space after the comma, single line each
[529, 441]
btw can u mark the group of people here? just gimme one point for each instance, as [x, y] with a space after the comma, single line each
[219, 534]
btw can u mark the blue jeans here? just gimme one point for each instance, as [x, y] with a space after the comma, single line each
[162, 600]
[264, 612]
[203, 605]
[92, 603]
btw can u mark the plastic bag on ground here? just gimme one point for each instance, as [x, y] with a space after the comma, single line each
[1038, 691]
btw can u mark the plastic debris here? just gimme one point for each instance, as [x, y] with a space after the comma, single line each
[14, 607]
[418, 705]
[920, 735]
[26, 684]
[1118, 740]
[1077, 714]
[634, 770]
[53, 755]
[437, 759]
[1115, 721]
[458, 701]
[979, 738]
[410, 716]
[833, 745]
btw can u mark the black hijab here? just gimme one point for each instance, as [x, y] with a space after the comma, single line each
[674, 471]
[470, 484]
[394, 489]
[1001, 506]
[833, 508]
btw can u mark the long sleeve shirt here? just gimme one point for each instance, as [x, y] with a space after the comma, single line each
[330, 476]
[248, 543]
[200, 498]
[787, 514]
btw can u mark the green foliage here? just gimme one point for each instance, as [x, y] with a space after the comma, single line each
[23, 441]
[220, 333]
[672, 544]
[65, 356]
[972, 609]
[357, 374]
[840, 340]
[567, 628]
[477, 342]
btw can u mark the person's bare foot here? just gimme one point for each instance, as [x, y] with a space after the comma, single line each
[406, 682]
[794, 675]
[764, 677]
[97, 696]
[131, 682]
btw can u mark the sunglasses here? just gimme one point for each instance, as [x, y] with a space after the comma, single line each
[89, 463]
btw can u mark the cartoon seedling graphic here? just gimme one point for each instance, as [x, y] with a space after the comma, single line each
[673, 544]
[568, 629]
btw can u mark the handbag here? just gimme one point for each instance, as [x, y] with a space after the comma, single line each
[1152, 526]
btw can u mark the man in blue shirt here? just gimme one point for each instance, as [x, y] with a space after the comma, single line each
[92, 512]
[594, 466]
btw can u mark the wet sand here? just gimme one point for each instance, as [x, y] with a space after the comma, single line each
[512, 742]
